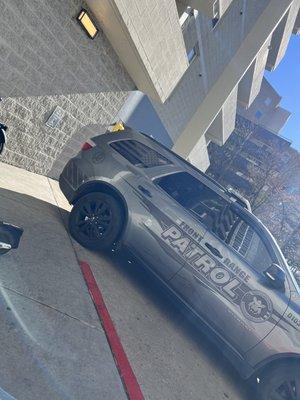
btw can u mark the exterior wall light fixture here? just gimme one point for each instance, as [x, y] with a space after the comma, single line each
[88, 25]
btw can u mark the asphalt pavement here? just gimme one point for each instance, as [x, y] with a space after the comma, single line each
[52, 344]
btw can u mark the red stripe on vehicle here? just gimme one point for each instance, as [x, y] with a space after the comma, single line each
[130, 382]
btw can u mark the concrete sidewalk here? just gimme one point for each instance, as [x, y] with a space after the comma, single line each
[52, 345]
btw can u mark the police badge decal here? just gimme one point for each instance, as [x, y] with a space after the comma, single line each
[256, 306]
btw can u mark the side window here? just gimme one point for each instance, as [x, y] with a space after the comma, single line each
[248, 243]
[197, 198]
[240, 236]
[215, 213]
[139, 154]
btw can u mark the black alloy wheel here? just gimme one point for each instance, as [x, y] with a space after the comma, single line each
[286, 390]
[96, 220]
[281, 382]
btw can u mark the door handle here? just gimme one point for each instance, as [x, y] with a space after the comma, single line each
[213, 250]
[145, 191]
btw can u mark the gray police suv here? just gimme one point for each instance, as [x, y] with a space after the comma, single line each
[201, 241]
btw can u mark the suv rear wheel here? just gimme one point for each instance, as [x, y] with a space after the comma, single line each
[280, 382]
[96, 220]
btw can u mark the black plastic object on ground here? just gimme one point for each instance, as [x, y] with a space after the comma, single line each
[9, 237]
[3, 129]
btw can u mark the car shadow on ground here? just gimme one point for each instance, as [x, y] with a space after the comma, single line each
[177, 314]
[20, 209]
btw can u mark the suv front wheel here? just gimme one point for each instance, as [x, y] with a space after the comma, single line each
[96, 221]
[280, 382]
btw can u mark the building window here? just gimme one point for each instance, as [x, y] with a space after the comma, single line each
[292, 190]
[215, 21]
[216, 9]
[258, 114]
[183, 20]
[239, 173]
[191, 55]
[268, 101]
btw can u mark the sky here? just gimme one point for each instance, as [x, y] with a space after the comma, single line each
[286, 81]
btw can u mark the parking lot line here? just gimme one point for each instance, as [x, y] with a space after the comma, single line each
[128, 377]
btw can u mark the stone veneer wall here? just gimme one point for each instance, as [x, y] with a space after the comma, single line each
[47, 61]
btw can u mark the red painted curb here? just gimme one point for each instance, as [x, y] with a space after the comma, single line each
[127, 375]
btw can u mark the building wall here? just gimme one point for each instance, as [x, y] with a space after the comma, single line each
[47, 60]
[265, 109]
[199, 155]
[139, 114]
[217, 46]
[189, 33]
[249, 145]
[148, 39]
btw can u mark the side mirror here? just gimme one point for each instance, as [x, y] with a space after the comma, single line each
[275, 276]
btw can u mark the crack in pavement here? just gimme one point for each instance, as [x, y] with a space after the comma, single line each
[51, 307]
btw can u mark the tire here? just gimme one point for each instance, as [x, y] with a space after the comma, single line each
[96, 221]
[280, 382]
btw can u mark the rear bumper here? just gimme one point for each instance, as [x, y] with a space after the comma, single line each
[71, 178]
[66, 188]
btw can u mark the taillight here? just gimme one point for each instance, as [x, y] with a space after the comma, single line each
[89, 144]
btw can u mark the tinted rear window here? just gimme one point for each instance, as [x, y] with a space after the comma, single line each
[139, 154]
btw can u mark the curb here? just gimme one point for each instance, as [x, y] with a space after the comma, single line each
[127, 375]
